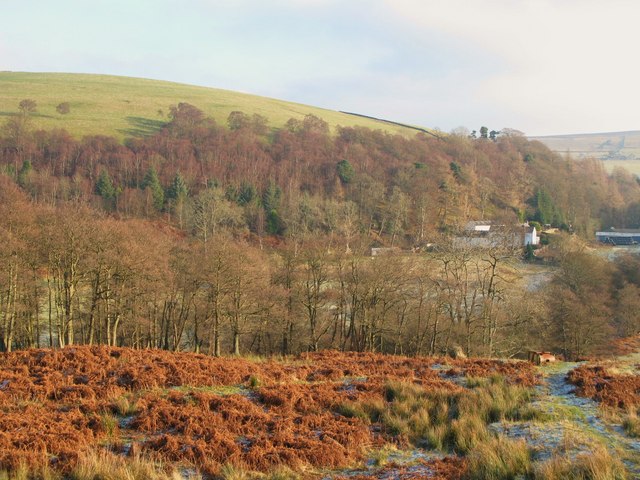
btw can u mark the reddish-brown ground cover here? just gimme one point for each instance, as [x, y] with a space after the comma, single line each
[520, 373]
[449, 468]
[613, 390]
[57, 404]
[626, 345]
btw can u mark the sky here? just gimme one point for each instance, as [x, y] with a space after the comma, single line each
[539, 66]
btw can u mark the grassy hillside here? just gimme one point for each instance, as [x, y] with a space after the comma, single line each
[615, 148]
[632, 165]
[125, 107]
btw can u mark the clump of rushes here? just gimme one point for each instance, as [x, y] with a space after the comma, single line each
[631, 423]
[124, 407]
[229, 471]
[444, 420]
[110, 425]
[23, 472]
[282, 473]
[499, 459]
[105, 465]
[598, 464]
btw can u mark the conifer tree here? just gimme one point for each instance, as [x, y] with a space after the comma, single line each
[152, 183]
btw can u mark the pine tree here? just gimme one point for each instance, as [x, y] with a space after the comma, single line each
[23, 174]
[152, 183]
[345, 171]
[178, 189]
[104, 186]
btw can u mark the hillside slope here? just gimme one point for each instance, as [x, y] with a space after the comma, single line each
[615, 148]
[126, 107]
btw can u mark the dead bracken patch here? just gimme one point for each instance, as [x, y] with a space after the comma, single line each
[57, 405]
[448, 468]
[519, 373]
[626, 345]
[612, 390]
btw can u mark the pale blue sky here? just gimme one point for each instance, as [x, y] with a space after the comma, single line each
[540, 66]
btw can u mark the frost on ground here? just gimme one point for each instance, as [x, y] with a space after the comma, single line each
[575, 425]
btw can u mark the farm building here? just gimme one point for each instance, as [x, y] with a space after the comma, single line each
[619, 237]
[530, 235]
[485, 234]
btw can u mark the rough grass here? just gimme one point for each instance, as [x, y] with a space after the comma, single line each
[104, 465]
[452, 420]
[631, 423]
[499, 459]
[598, 464]
[129, 107]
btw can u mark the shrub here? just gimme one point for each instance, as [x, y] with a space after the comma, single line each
[254, 381]
[63, 108]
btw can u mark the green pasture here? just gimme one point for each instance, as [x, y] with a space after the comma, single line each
[632, 165]
[131, 107]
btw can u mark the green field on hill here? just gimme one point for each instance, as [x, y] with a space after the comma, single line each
[619, 146]
[632, 165]
[129, 107]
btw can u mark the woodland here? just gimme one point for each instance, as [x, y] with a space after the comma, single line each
[237, 239]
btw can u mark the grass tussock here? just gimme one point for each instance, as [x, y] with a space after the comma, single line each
[124, 407]
[631, 423]
[230, 471]
[104, 465]
[445, 420]
[110, 425]
[598, 464]
[499, 459]
[23, 472]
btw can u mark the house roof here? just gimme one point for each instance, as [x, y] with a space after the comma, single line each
[618, 232]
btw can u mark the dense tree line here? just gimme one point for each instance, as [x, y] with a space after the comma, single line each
[201, 176]
[240, 239]
[69, 274]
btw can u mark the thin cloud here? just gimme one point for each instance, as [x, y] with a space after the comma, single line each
[568, 66]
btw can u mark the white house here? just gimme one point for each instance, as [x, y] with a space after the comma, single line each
[530, 235]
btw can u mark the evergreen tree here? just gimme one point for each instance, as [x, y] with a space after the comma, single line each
[271, 197]
[152, 183]
[271, 205]
[23, 174]
[345, 171]
[178, 189]
[105, 189]
[547, 212]
[247, 193]
[104, 186]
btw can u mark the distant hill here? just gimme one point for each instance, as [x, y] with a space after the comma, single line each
[615, 148]
[605, 146]
[133, 107]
